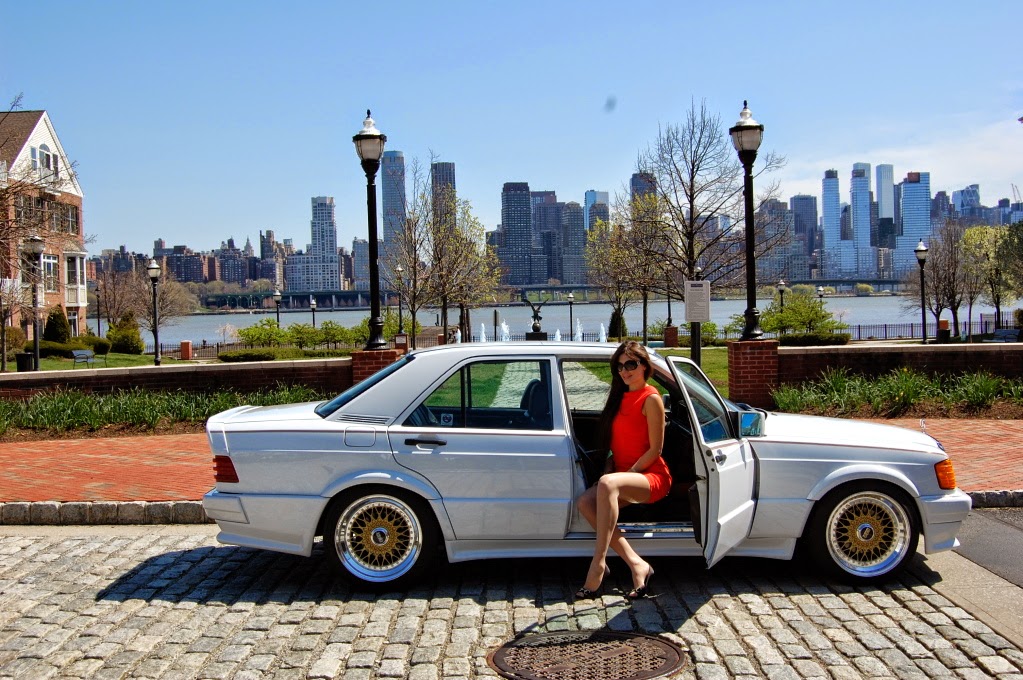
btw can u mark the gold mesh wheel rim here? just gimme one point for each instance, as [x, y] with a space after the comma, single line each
[868, 534]
[378, 538]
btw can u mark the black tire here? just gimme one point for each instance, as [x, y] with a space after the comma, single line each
[380, 539]
[863, 532]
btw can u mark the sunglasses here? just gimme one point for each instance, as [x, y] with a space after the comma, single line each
[630, 365]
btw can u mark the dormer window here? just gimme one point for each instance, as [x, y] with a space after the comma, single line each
[45, 161]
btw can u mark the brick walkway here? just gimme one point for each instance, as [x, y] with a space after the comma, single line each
[988, 456]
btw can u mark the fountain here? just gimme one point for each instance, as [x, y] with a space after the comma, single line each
[483, 332]
[557, 335]
[578, 337]
[505, 333]
[458, 335]
[603, 334]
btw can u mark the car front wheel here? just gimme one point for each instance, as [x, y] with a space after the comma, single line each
[380, 539]
[863, 533]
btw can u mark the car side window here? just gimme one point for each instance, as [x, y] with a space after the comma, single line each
[709, 411]
[499, 395]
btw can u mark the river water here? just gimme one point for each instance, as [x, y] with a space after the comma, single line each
[215, 328]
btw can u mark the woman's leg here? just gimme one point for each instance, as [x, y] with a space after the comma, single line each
[599, 505]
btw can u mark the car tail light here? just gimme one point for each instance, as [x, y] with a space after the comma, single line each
[223, 470]
[946, 474]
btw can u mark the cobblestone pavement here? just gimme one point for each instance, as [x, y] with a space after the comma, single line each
[171, 603]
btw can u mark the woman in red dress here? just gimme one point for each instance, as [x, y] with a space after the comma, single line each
[632, 429]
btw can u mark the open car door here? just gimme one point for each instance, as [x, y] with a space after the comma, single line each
[727, 506]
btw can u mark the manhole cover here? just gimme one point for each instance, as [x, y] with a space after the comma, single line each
[594, 655]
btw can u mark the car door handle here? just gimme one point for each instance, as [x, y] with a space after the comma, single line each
[424, 440]
[720, 458]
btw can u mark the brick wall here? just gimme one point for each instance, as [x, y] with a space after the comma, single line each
[328, 375]
[366, 363]
[800, 364]
[753, 372]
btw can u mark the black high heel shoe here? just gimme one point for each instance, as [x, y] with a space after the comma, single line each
[642, 591]
[585, 593]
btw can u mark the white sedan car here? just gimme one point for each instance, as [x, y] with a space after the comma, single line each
[481, 449]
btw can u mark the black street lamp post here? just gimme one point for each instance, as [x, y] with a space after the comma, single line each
[921, 257]
[668, 288]
[781, 292]
[400, 271]
[820, 296]
[369, 144]
[99, 329]
[36, 245]
[747, 135]
[312, 308]
[277, 302]
[154, 276]
[571, 328]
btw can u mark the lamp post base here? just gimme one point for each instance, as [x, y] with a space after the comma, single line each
[376, 334]
[752, 331]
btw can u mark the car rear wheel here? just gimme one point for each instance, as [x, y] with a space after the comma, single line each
[380, 539]
[863, 533]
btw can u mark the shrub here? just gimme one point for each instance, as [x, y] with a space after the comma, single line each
[1017, 314]
[48, 348]
[57, 328]
[814, 339]
[125, 337]
[253, 354]
[15, 340]
[974, 390]
[96, 344]
[616, 327]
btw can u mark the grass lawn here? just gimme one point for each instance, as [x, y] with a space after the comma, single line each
[713, 362]
[113, 361]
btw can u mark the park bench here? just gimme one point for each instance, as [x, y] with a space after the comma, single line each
[85, 356]
[1004, 335]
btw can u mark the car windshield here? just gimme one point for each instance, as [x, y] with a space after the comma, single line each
[327, 408]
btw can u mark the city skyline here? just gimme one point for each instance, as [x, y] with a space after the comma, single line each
[258, 111]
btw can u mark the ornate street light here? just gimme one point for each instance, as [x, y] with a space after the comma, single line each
[571, 329]
[312, 307]
[99, 329]
[277, 301]
[921, 257]
[154, 276]
[36, 245]
[781, 292]
[369, 144]
[399, 270]
[820, 295]
[668, 288]
[747, 135]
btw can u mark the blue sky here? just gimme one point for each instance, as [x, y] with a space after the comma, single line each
[196, 121]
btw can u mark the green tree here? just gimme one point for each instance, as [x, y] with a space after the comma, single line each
[803, 313]
[125, 336]
[864, 290]
[266, 333]
[609, 257]
[616, 326]
[57, 328]
[303, 335]
[986, 251]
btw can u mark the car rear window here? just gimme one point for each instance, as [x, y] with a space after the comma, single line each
[327, 408]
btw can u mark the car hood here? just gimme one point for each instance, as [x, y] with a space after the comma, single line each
[787, 427]
[267, 414]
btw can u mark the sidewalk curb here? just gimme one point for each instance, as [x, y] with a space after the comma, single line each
[102, 512]
[50, 513]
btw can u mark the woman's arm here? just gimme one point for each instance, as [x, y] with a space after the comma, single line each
[653, 409]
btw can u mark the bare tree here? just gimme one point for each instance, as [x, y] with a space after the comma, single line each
[173, 300]
[698, 181]
[609, 260]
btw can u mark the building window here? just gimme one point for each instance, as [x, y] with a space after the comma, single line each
[51, 273]
[75, 271]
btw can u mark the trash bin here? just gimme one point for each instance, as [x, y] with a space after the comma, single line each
[944, 334]
[24, 361]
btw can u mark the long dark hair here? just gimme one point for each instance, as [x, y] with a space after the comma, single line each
[618, 389]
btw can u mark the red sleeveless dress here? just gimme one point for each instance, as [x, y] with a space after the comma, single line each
[630, 439]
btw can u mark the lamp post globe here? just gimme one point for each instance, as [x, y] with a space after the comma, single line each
[277, 302]
[35, 244]
[153, 269]
[369, 144]
[747, 134]
[921, 257]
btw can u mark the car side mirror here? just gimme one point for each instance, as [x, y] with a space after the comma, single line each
[751, 424]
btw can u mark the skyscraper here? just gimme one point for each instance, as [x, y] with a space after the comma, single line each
[859, 202]
[804, 214]
[598, 211]
[831, 223]
[642, 184]
[318, 268]
[592, 196]
[885, 191]
[916, 220]
[517, 223]
[392, 190]
[442, 186]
